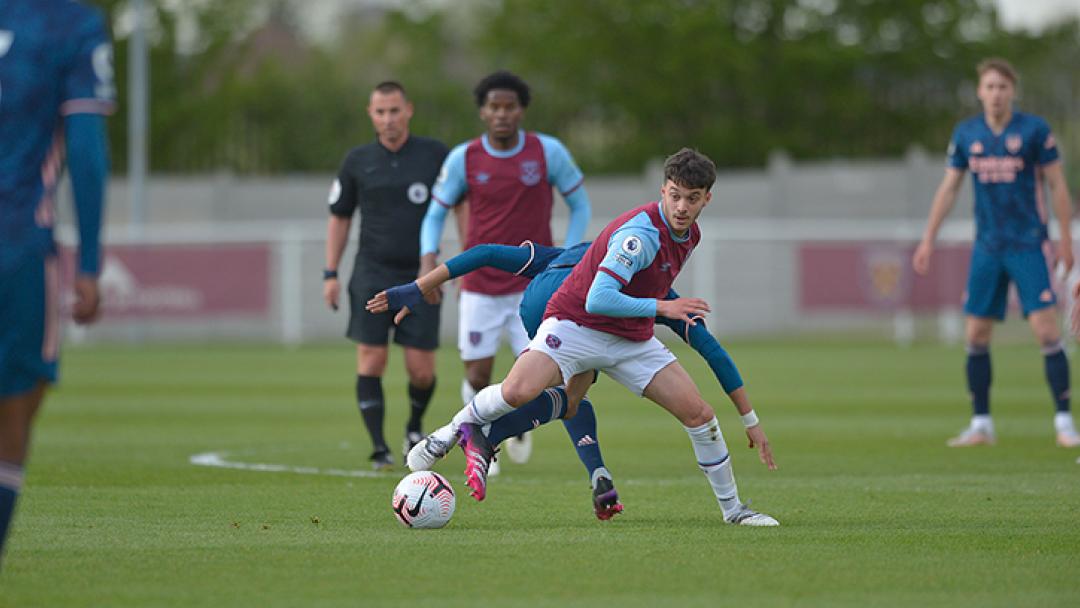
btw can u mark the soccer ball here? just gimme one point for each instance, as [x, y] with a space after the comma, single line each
[423, 499]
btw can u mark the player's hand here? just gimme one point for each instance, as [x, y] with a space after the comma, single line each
[379, 303]
[758, 439]
[1065, 256]
[87, 300]
[395, 298]
[921, 260]
[682, 309]
[331, 289]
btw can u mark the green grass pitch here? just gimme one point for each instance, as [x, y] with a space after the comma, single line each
[875, 510]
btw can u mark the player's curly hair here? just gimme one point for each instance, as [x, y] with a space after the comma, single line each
[502, 80]
[690, 169]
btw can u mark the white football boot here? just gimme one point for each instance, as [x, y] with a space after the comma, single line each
[424, 455]
[745, 516]
[972, 436]
[1067, 437]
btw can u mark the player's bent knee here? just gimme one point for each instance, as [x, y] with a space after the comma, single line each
[698, 416]
[519, 391]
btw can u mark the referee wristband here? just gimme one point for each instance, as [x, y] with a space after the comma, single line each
[750, 419]
[328, 274]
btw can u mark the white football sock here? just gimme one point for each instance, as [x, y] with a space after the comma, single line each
[1063, 422]
[488, 405]
[714, 460]
[983, 423]
[467, 392]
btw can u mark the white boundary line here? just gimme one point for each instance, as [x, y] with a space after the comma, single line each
[220, 460]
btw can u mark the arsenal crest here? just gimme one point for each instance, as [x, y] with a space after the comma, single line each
[530, 172]
[1013, 143]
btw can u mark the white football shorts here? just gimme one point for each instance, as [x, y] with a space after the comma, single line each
[482, 320]
[577, 349]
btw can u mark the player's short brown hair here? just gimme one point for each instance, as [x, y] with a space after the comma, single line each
[690, 169]
[998, 65]
[388, 87]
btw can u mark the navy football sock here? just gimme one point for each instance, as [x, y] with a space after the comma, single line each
[419, 398]
[1057, 375]
[11, 478]
[582, 430]
[551, 404]
[979, 376]
[369, 398]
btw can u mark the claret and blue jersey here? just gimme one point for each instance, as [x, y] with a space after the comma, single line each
[510, 199]
[1010, 213]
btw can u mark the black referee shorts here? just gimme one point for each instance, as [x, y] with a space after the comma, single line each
[419, 330]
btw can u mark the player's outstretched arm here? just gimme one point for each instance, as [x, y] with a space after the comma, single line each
[88, 162]
[944, 199]
[723, 367]
[706, 345]
[503, 257]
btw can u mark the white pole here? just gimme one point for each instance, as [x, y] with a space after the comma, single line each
[291, 254]
[138, 87]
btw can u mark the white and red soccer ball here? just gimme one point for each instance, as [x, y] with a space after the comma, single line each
[423, 499]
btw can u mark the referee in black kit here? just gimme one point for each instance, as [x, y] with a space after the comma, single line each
[389, 180]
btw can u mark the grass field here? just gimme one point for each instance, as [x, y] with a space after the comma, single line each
[876, 511]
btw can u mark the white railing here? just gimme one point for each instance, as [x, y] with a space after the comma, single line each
[748, 269]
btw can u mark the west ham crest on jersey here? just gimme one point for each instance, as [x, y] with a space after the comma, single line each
[1013, 143]
[530, 172]
[975, 148]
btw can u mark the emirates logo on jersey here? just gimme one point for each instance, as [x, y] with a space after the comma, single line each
[976, 147]
[530, 172]
[1013, 143]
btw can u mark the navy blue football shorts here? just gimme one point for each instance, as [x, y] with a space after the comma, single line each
[991, 273]
[30, 330]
